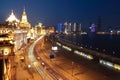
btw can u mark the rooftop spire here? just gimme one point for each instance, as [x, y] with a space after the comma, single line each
[24, 16]
[12, 12]
[24, 9]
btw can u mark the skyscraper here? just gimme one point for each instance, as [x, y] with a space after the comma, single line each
[74, 27]
[99, 24]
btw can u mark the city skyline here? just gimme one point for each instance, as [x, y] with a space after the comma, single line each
[54, 12]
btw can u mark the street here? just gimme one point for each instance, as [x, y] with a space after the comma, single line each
[66, 67]
[42, 67]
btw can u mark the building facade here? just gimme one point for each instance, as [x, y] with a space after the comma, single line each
[21, 29]
[6, 57]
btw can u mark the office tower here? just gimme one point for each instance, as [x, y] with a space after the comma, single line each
[74, 27]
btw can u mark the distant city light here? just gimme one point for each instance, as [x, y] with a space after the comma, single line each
[92, 28]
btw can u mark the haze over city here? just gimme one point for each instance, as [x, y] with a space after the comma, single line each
[52, 12]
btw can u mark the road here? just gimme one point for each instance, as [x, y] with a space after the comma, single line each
[70, 69]
[41, 67]
[22, 70]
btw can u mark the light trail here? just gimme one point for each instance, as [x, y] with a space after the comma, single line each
[39, 68]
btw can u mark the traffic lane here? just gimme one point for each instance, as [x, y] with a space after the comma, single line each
[114, 75]
[83, 72]
[80, 71]
[51, 64]
[47, 68]
[85, 68]
[50, 69]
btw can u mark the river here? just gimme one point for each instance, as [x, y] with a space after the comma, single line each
[105, 43]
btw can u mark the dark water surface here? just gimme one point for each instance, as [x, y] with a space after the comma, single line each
[108, 44]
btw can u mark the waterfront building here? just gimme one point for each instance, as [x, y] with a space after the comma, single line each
[20, 31]
[6, 57]
[40, 29]
[51, 30]
[12, 20]
[13, 36]
[24, 24]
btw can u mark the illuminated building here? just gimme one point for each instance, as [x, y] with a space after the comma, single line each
[40, 29]
[59, 27]
[24, 24]
[20, 31]
[69, 28]
[6, 57]
[13, 36]
[51, 30]
[12, 20]
[74, 27]
[43, 31]
[92, 27]
[65, 27]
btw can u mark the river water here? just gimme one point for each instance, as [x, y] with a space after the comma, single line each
[105, 43]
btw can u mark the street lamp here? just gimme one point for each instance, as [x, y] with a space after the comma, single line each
[29, 66]
[72, 67]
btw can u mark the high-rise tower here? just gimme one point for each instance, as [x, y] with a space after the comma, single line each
[99, 24]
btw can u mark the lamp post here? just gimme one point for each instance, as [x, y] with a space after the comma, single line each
[72, 67]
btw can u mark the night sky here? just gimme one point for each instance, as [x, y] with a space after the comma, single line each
[52, 12]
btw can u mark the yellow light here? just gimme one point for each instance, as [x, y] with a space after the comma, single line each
[67, 48]
[6, 51]
[116, 66]
[4, 66]
[1, 39]
[11, 42]
[90, 57]
[36, 63]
